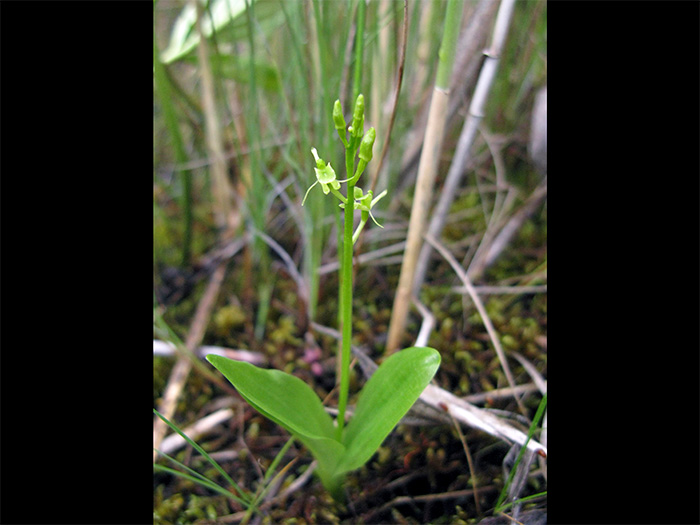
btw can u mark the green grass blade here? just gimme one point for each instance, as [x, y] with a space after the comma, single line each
[531, 497]
[185, 467]
[199, 479]
[531, 431]
[273, 466]
[203, 453]
[267, 483]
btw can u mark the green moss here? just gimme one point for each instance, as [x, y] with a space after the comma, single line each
[229, 318]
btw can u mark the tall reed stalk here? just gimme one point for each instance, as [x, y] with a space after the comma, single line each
[220, 185]
[427, 169]
[466, 138]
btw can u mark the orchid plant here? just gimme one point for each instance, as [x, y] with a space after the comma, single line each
[395, 385]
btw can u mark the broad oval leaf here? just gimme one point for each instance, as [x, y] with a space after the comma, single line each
[292, 404]
[384, 400]
[282, 397]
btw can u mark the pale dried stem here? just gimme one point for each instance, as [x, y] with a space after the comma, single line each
[220, 184]
[419, 212]
[426, 326]
[482, 312]
[201, 428]
[461, 157]
[489, 251]
[438, 400]
[470, 462]
[467, 62]
[364, 258]
[181, 370]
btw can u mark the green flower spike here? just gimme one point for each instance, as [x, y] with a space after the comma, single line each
[325, 175]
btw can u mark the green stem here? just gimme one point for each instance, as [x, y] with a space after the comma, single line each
[346, 309]
[453, 18]
[359, 47]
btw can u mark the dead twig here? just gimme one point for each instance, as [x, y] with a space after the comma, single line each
[482, 312]
[489, 251]
[470, 462]
[426, 326]
[435, 401]
[165, 348]
[302, 288]
[466, 138]
[425, 498]
[182, 368]
[201, 428]
[427, 171]
[506, 290]
[482, 397]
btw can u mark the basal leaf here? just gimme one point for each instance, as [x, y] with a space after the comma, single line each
[282, 397]
[293, 405]
[384, 400]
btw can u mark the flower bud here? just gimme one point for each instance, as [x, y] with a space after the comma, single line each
[358, 116]
[367, 144]
[338, 119]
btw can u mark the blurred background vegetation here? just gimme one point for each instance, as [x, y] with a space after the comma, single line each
[234, 122]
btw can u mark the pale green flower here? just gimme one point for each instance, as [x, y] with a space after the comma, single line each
[364, 203]
[325, 175]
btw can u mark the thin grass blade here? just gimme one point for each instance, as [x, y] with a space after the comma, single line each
[204, 453]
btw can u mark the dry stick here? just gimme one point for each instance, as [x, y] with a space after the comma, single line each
[533, 372]
[411, 500]
[427, 170]
[500, 205]
[503, 290]
[202, 427]
[482, 397]
[467, 62]
[469, 461]
[466, 138]
[482, 312]
[221, 188]
[487, 255]
[432, 405]
[183, 365]
[365, 257]
[302, 289]
[426, 326]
